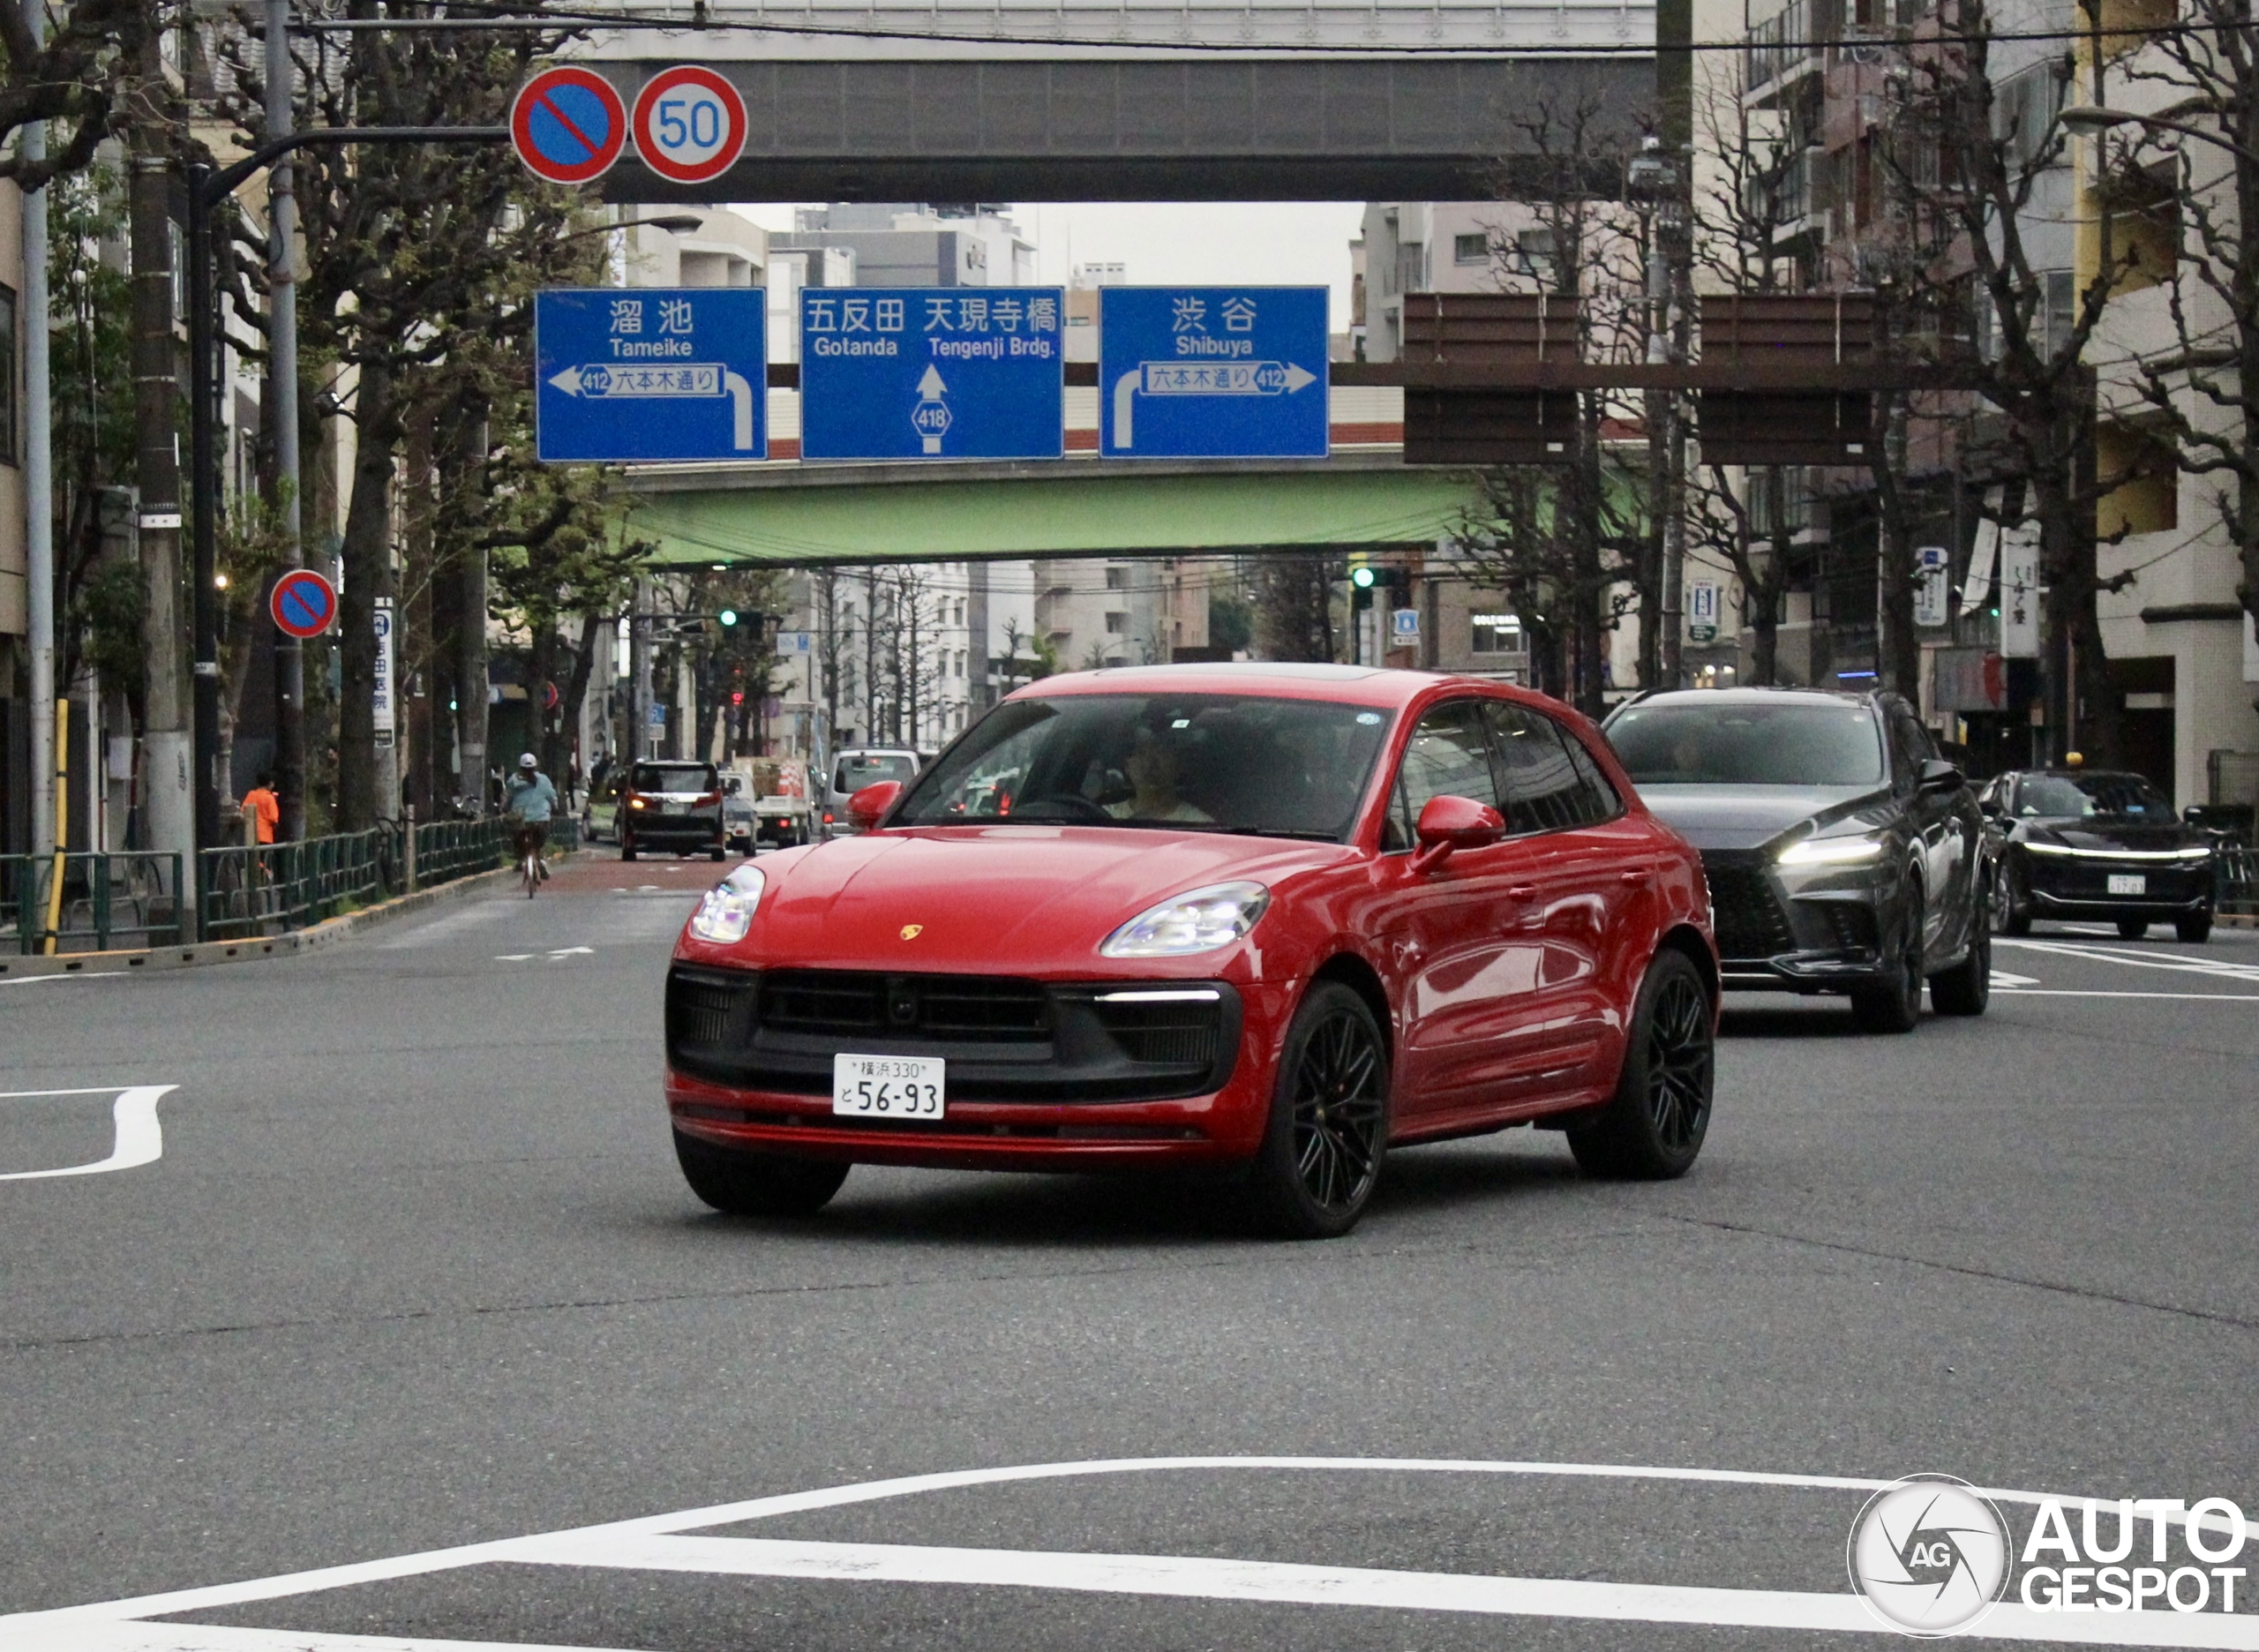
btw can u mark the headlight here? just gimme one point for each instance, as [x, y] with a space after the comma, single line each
[1830, 850]
[727, 913]
[635, 802]
[1199, 920]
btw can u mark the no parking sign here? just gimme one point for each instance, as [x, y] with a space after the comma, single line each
[568, 125]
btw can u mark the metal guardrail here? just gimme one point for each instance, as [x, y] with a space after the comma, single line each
[128, 898]
[264, 888]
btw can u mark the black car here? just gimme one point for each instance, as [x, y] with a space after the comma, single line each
[1843, 854]
[2094, 843]
[672, 806]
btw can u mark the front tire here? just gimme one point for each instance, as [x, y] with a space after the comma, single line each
[2133, 928]
[755, 1183]
[716, 852]
[1966, 989]
[1321, 1155]
[2197, 929]
[1653, 1128]
[2010, 916]
[626, 848]
[1894, 1005]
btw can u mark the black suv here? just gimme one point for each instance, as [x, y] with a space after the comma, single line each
[2086, 843]
[1843, 854]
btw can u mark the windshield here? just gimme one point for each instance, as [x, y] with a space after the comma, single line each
[858, 769]
[2078, 796]
[1735, 742]
[673, 777]
[1216, 762]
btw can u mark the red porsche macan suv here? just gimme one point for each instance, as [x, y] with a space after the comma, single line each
[1284, 917]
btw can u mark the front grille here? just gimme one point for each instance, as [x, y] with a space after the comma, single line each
[978, 1008]
[1005, 1039]
[1743, 910]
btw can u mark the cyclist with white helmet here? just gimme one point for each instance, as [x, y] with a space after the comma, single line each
[529, 800]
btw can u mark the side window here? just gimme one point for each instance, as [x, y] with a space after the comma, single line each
[1544, 791]
[1396, 828]
[1448, 756]
[1601, 800]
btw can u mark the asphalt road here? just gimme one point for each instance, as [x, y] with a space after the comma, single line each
[413, 1269]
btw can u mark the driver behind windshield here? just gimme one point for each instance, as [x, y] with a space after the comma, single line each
[1151, 767]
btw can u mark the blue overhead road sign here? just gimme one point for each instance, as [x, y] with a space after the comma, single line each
[1212, 373]
[925, 372]
[651, 373]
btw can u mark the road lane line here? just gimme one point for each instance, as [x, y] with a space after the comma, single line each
[139, 1139]
[1200, 1577]
[2002, 978]
[2061, 992]
[14, 1628]
[2136, 960]
[133, 1636]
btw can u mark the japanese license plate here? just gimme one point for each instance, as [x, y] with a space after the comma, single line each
[675, 805]
[887, 1087]
[2129, 883]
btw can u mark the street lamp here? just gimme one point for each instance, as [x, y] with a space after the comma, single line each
[2095, 119]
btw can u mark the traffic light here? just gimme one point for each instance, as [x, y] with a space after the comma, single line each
[1362, 577]
[728, 616]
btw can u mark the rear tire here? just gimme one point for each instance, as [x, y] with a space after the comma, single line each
[1653, 1128]
[1894, 1005]
[2196, 929]
[1321, 1156]
[755, 1183]
[2133, 928]
[716, 852]
[626, 848]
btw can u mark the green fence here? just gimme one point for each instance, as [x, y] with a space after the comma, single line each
[2237, 866]
[125, 899]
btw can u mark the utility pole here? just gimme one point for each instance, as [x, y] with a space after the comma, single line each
[283, 418]
[38, 483]
[167, 761]
[470, 621]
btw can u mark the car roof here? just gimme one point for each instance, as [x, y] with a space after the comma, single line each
[1749, 696]
[2074, 774]
[1284, 679]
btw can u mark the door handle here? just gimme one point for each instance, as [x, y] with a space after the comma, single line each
[1521, 891]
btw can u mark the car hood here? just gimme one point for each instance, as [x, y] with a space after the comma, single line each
[1747, 817]
[1019, 899]
[2107, 832]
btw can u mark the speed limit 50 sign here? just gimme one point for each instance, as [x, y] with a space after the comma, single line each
[689, 125]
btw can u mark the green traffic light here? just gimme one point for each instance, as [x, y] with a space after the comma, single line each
[1361, 578]
[729, 616]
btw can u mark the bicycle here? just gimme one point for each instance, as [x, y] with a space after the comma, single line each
[530, 868]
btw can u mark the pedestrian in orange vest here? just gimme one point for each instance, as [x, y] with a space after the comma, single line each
[263, 806]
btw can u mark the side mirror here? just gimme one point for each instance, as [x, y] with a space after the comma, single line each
[735, 785]
[866, 807]
[1991, 808]
[1450, 824]
[1938, 775]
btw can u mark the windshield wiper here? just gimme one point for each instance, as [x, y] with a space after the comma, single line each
[1305, 834]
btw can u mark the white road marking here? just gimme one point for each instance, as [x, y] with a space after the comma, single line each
[139, 1140]
[2060, 992]
[654, 1542]
[2002, 979]
[512, 958]
[565, 953]
[49, 980]
[2095, 954]
[1205, 1578]
[148, 1637]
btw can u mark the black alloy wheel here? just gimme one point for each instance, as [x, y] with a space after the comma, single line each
[1966, 989]
[1895, 1004]
[757, 1183]
[1321, 1156]
[1653, 1128]
[2010, 916]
